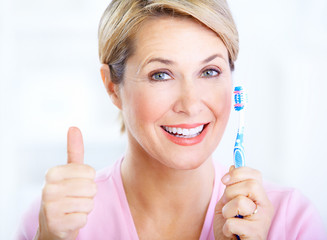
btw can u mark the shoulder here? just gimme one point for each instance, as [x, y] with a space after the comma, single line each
[110, 216]
[29, 221]
[289, 200]
[280, 196]
[104, 174]
[109, 184]
[108, 180]
[295, 216]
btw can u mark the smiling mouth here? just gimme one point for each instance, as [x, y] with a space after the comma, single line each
[184, 132]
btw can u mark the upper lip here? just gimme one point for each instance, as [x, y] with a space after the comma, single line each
[186, 125]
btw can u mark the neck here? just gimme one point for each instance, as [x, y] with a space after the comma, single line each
[154, 187]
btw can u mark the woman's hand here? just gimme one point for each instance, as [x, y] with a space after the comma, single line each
[68, 193]
[244, 195]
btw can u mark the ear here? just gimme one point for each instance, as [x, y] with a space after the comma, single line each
[112, 88]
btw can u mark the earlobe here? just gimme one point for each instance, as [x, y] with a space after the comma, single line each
[112, 88]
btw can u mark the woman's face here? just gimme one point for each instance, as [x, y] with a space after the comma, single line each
[176, 95]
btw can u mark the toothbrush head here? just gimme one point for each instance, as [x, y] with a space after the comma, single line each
[239, 98]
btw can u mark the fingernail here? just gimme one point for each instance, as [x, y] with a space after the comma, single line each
[225, 178]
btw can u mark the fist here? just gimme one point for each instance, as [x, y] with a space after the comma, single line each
[68, 192]
[244, 196]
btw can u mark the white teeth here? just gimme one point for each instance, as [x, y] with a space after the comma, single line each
[184, 132]
[193, 131]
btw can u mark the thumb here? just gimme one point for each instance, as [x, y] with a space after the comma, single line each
[75, 146]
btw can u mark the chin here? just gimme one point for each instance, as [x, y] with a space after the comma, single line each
[187, 163]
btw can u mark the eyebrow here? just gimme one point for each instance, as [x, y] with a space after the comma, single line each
[170, 62]
[209, 59]
[158, 59]
[161, 60]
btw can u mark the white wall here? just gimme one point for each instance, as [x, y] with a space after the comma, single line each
[49, 80]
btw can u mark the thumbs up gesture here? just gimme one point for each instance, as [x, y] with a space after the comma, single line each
[67, 196]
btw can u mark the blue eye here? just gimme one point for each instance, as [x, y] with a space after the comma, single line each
[160, 76]
[210, 73]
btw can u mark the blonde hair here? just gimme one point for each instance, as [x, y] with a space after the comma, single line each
[122, 18]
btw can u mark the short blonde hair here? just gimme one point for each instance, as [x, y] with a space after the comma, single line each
[122, 18]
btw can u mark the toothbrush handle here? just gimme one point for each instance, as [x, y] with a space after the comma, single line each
[239, 157]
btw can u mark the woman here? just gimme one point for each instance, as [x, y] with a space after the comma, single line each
[167, 66]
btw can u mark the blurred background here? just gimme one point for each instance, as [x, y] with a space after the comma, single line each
[49, 80]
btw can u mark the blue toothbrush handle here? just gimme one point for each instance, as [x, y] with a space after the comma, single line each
[239, 159]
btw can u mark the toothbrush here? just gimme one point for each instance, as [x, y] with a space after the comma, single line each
[239, 157]
[240, 100]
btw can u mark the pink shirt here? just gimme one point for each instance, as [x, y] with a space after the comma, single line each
[295, 217]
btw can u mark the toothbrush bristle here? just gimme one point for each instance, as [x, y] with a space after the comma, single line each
[239, 97]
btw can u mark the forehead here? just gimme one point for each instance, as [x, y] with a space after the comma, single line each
[172, 35]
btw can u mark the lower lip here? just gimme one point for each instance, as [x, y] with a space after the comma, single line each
[187, 141]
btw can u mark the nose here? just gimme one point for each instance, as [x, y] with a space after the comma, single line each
[189, 98]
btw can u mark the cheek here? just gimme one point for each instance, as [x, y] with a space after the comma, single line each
[226, 105]
[221, 102]
[143, 105]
